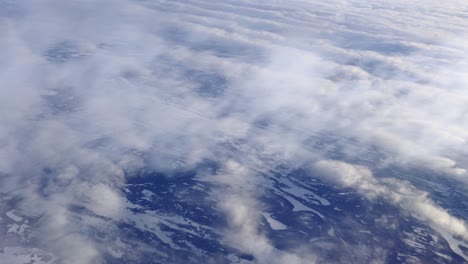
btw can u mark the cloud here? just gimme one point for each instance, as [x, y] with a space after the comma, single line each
[397, 192]
[244, 213]
[93, 90]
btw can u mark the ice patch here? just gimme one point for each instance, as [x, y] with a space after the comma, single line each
[294, 189]
[274, 224]
[298, 206]
[147, 195]
[14, 217]
[17, 229]
[453, 243]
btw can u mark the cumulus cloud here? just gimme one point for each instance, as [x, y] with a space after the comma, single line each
[243, 212]
[393, 190]
[244, 234]
[397, 192]
[94, 90]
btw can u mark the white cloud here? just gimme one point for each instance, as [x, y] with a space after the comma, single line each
[243, 214]
[395, 191]
[90, 89]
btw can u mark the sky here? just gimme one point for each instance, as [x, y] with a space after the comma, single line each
[93, 90]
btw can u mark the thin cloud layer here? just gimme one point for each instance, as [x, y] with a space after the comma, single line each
[372, 94]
